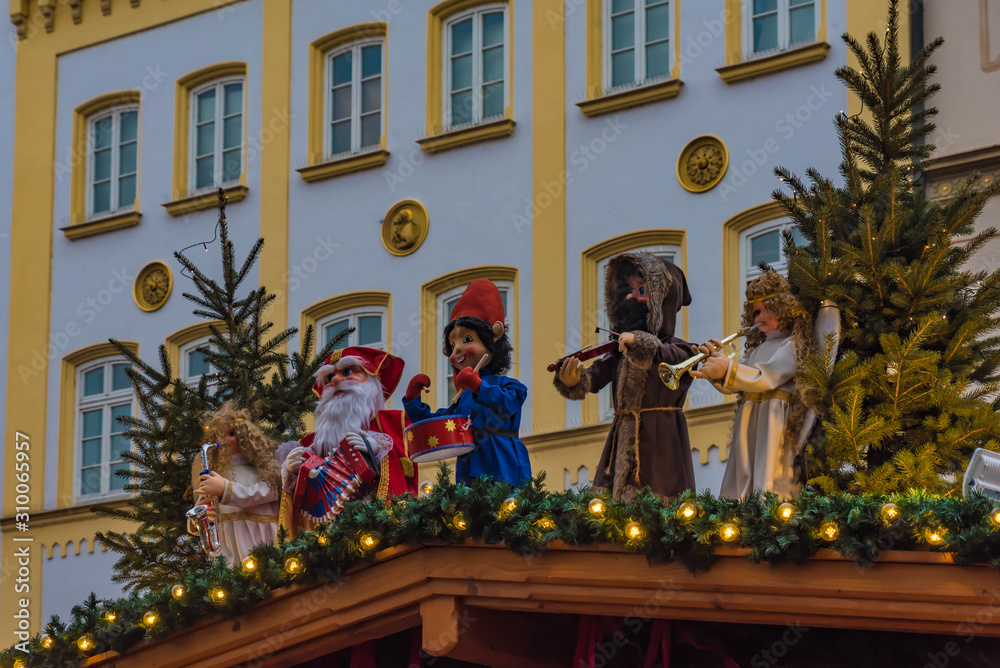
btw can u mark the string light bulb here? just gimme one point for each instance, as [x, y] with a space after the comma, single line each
[293, 565]
[688, 511]
[110, 616]
[995, 516]
[935, 536]
[46, 641]
[368, 541]
[597, 507]
[889, 513]
[634, 531]
[85, 642]
[508, 506]
[323, 539]
[459, 522]
[729, 532]
[426, 487]
[178, 591]
[249, 565]
[546, 524]
[829, 531]
[786, 510]
[218, 595]
[18, 663]
[150, 618]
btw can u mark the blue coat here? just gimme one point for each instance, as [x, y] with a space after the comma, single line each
[497, 406]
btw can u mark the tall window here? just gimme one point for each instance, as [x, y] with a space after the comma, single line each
[216, 134]
[446, 302]
[369, 325]
[637, 35]
[667, 252]
[776, 25]
[104, 393]
[112, 172]
[194, 363]
[762, 243]
[476, 66]
[354, 102]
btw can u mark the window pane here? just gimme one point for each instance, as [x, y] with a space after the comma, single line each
[233, 103]
[127, 158]
[342, 69]
[461, 73]
[118, 483]
[126, 191]
[340, 138]
[371, 95]
[128, 126]
[503, 298]
[206, 106]
[760, 6]
[371, 130]
[657, 23]
[232, 165]
[461, 37]
[658, 60]
[121, 410]
[232, 131]
[93, 382]
[90, 481]
[371, 61]
[119, 381]
[623, 68]
[102, 197]
[197, 364]
[493, 29]
[802, 25]
[622, 5]
[493, 100]
[119, 444]
[765, 33]
[341, 103]
[369, 329]
[102, 165]
[493, 64]
[793, 3]
[765, 248]
[205, 139]
[461, 108]
[204, 172]
[798, 237]
[102, 133]
[335, 330]
[623, 31]
[92, 426]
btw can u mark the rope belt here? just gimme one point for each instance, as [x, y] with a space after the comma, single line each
[760, 397]
[635, 413]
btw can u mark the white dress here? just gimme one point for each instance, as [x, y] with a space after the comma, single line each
[248, 511]
[760, 459]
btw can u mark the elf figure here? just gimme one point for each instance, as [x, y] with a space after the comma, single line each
[493, 400]
[244, 482]
[648, 443]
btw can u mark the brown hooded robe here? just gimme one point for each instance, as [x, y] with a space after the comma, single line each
[660, 457]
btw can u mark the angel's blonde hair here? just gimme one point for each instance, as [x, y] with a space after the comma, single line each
[256, 447]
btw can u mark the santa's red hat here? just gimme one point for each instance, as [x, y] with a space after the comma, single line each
[482, 300]
[387, 368]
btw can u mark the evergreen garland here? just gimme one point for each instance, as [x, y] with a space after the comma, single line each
[527, 520]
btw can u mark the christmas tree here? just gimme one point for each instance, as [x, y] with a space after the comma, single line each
[249, 367]
[912, 391]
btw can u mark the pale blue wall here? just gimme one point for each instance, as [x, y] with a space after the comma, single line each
[69, 580]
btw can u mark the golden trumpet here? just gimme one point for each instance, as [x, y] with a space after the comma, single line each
[671, 374]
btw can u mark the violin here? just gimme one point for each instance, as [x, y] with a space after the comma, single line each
[589, 352]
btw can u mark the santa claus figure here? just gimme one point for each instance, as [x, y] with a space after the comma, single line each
[357, 449]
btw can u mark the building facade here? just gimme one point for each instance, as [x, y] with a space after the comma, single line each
[388, 153]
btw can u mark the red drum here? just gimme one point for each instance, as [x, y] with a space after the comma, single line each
[439, 438]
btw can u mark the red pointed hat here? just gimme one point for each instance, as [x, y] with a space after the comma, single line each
[382, 365]
[481, 299]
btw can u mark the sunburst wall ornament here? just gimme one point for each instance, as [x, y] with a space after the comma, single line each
[702, 163]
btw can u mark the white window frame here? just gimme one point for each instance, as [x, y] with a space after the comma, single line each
[748, 268]
[477, 63]
[185, 352]
[638, 46]
[105, 401]
[784, 29]
[352, 315]
[115, 113]
[356, 81]
[606, 410]
[444, 317]
[219, 85]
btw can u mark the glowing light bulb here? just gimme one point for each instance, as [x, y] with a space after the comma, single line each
[596, 507]
[46, 641]
[426, 487]
[688, 511]
[995, 516]
[786, 510]
[218, 595]
[508, 506]
[150, 618]
[546, 524]
[729, 532]
[935, 536]
[460, 522]
[368, 541]
[889, 513]
[634, 531]
[293, 565]
[829, 531]
[178, 591]
[85, 642]
[249, 565]
[323, 539]
[110, 616]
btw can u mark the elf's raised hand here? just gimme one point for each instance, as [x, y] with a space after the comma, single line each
[417, 384]
[468, 379]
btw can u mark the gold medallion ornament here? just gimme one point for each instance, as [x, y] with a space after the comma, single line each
[702, 163]
[404, 227]
[153, 286]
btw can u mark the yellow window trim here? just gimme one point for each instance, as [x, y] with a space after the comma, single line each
[598, 102]
[208, 200]
[588, 286]
[174, 342]
[67, 412]
[437, 16]
[430, 328]
[182, 201]
[313, 313]
[783, 60]
[78, 180]
[318, 167]
[110, 223]
[732, 293]
[733, 20]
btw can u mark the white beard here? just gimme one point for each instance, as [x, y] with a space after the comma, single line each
[350, 410]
